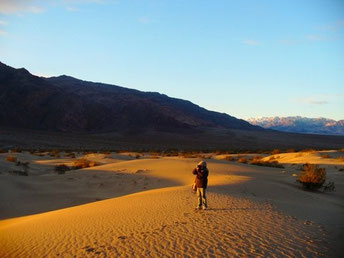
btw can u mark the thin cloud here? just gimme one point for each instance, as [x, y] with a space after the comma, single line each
[251, 42]
[19, 6]
[313, 100]
[72, 9]
[36, 6]
[318, 102]
[288, 42]
[83, 1]
[314, 37]
[332, 27]
[3, 23]
[144, 20]
[2, 33]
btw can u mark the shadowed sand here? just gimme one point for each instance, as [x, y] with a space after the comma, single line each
[254, 211]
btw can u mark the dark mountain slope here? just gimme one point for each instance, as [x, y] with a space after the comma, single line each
[67, 104]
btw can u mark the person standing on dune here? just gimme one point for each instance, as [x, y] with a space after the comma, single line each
[201, 171]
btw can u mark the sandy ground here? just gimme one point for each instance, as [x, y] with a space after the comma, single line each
[145, 207]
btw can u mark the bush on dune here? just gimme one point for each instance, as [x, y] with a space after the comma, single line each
[312, 177]
[242, 160]
[257, 160]
[24, 164]
[61, 169]
[11, 158]
[275, 151]
[229, 158]
[84, 163]
[70, 155]
[308, 150]
[340, 159]
[273, 164]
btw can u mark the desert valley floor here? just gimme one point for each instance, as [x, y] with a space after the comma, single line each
[143, 206]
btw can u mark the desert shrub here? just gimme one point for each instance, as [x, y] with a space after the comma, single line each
[3, 151]
[325, 156]
[170, 153]
[341, 159]
[189, 156]
[242, 160]
[70, 155]
[329, 187]
[312, 177]
[84, 163]
[11, 158]
[341, 169]
[18, 173]
[256, 158]
[54, 154]
[137, 156]
[202, 156]
[275, 151]
[61, 169]
[24, 164]
[229, 158]
[273, 164]
[308, 150]
[290, 150]
[272, 158]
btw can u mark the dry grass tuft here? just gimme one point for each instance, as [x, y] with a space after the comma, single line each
[312, 177]
[273, 164]
[242, 160]
[257, 160]
[70, 155]
[61, 169]
[340, 159]
[308, 150]
[229, 158]
[84, 163]
[275, 151]
[11, 158]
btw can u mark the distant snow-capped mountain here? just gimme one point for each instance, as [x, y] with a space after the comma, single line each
[297, 124]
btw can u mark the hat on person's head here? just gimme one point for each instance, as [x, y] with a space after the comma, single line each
[202, 163]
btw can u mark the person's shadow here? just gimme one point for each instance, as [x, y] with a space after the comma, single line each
[233, 209]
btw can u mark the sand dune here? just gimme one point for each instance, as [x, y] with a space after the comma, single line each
[335, 158]
[254, 211]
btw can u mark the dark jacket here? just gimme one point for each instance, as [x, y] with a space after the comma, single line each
[201, 177]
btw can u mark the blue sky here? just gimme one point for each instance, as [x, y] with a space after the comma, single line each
[247, 58]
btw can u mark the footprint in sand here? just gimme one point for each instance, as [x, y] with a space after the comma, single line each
[89, 249]
[122, 237]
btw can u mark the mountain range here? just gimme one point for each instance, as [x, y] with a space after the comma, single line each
[298, 124]
[67, 113]
[67, 104]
